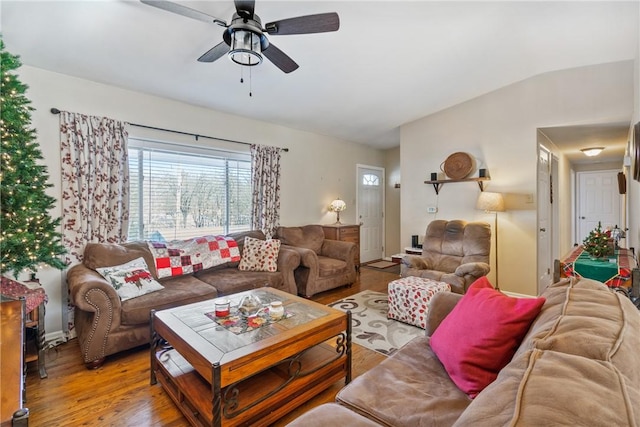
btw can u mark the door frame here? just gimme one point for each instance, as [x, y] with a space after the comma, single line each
[545, 263]
[360, 166]
[577, 190]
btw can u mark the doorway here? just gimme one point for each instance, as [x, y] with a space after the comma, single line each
[370, 212]
[598, 201]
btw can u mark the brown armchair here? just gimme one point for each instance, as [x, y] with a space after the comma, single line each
[324, 264]
[455, 252]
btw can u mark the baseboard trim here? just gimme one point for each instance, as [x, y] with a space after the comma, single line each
[56, 338]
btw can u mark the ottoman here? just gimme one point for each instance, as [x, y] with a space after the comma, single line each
[409, 299]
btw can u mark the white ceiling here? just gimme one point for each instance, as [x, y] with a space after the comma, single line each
[390, 63]
[571, 139]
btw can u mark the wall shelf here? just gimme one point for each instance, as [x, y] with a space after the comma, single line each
[438, 183]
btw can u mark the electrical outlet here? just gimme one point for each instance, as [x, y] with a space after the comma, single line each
[432, 209]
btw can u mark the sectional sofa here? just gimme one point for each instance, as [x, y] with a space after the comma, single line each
[576, 366]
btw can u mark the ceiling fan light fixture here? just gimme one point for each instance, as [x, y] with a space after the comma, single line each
[246, 48]
[592, 151]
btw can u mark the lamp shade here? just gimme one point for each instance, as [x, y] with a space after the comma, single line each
[490, 202]
[337, 206]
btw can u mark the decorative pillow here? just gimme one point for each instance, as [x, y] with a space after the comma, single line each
[180, 257]
[481, 334]
[259, 255]
[130, 280]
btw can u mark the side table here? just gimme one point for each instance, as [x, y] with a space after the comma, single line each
[35, 299]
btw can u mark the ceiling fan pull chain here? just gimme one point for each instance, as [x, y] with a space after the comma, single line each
[250, 83]
[241, 75]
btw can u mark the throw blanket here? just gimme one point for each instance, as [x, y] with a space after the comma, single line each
[179, 257]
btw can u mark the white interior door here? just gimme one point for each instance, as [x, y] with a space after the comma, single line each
[370, 211]
[544, 189]
[598, 201]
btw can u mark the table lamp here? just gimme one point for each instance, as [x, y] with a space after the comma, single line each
[337, 206]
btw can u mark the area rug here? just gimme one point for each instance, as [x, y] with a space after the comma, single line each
[370, 326]
[382, 264]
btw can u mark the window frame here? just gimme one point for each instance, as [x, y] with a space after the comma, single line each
[141, 144]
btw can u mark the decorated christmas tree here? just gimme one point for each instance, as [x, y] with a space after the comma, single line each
[597, 242]
[28, 234]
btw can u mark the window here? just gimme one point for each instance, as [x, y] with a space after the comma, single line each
[179, 192]
[370, 180]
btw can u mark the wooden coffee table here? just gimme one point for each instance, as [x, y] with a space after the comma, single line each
[221, 378]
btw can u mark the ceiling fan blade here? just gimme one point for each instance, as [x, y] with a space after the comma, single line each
[280, 59]
[215, 53]
[245, 8]
[320, 23]
[184, 11]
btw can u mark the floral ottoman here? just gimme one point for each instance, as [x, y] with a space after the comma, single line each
[409, 299]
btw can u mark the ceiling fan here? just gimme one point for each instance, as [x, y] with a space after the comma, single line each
[244, 39]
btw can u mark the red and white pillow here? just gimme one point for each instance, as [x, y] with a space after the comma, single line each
[260, 255]
[180, 257]
[131, 279]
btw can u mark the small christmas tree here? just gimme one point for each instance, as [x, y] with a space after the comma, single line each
[28, 235]
[597, 243]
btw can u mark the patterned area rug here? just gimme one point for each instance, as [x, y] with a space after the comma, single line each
[371, 328]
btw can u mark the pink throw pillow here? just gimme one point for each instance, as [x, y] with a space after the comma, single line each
[481, 334]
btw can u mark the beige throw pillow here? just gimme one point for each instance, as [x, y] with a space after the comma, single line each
[259, 255]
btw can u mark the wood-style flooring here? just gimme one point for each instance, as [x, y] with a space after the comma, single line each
[119, 393]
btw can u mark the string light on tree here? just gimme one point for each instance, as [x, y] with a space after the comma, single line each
[28, 235]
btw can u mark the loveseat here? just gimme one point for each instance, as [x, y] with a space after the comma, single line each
[576, 366]
[106, 325]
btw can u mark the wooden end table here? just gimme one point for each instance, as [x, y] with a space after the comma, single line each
[221, 378]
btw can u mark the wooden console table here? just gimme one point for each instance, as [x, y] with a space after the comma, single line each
[35, 299]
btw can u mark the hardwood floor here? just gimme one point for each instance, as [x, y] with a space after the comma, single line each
[119, 393]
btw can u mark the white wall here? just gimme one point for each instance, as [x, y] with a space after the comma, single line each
[316, 170]
[392, 202]
[633, 188]
[500, 130]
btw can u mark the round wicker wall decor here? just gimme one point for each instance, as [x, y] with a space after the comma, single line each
[458, 165]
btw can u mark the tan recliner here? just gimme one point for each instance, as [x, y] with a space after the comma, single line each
[455, 252]
[324, 264]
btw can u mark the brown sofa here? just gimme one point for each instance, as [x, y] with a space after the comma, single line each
[324, 264]
[455, 252]
[577, 365]
[106, 325]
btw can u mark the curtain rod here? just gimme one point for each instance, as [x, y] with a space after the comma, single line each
[286, 150]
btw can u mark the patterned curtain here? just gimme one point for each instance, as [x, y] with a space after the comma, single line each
[95, 181]
[265, 186]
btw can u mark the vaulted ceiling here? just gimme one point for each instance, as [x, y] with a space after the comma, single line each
[391, 62]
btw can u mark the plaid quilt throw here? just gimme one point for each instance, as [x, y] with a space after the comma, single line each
[179, 257]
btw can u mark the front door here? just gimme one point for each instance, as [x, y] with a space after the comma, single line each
[598, 201]
[370, 212]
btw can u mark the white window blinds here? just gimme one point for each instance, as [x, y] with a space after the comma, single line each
[179, 192]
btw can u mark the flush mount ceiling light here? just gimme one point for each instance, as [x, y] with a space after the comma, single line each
[592, 151]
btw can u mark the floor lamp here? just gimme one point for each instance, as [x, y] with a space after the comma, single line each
[492, 203]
